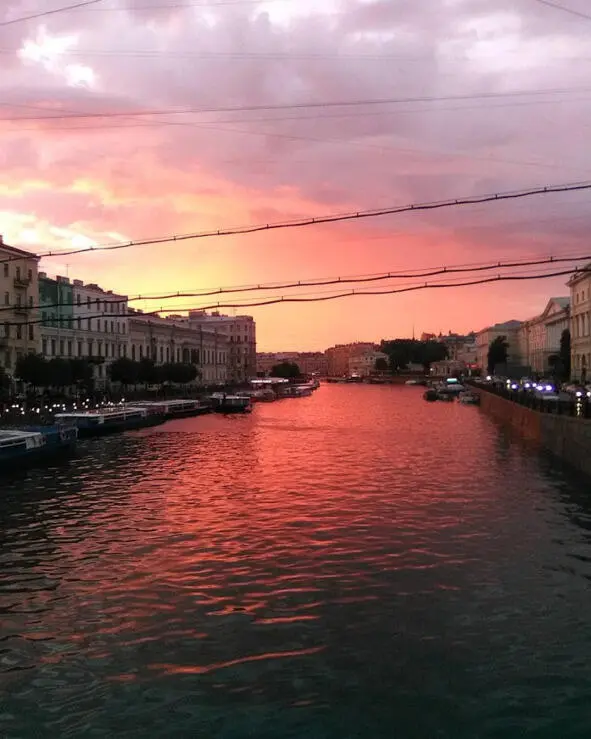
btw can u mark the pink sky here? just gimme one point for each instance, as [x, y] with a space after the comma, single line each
[95, 180]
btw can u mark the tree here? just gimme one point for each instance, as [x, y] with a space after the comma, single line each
[4, 384]
[564, 353]
[381, 365]
[287, 370]
[82, 372]
[32, 369]
[125, 371]
[497, 353]
[430, 352]
[147, 372]
[59, 373]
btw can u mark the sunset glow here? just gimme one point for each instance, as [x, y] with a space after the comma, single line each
[113, 148]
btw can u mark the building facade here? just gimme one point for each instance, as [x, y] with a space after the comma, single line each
[83, 321]
[173, 339]
[484, 338]
[19, 294]
[364, 364]
[240, 332]
[337, 357]
[539, 338]
[580, 323]
[310, 363]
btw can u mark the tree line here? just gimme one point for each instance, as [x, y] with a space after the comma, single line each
[59, 373]
[403, 352]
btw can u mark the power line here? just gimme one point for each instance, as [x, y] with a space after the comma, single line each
[564, 9]
[320, 282]
[314, 221]
[300, 106]
[24, 18]
[336, 296]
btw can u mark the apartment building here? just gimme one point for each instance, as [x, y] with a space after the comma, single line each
[484, 338]
[580, 323]
[83, 321]
[174, 339]
[242, 344]
[19, 292]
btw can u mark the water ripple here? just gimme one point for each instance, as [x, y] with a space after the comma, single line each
[354, 564]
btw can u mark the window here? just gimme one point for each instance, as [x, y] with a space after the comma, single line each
[18, 273]
[61, 348]
[19, 331]
[141, 351]
[30, 275]
[44, 347]
[162, 354]
[31, 332]
[90, 343]
[79, 324]
[167, 354]
[113, 350]
[53, 348]
[7, 330]
[99, 350]
[80, 349]
[133, 351]
[78, 299]
[124, 350]
[112, 327]
[6, 298]
[89, 324]
[30, 301]
[6, 270]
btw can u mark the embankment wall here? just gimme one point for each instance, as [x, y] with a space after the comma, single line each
[566, 437]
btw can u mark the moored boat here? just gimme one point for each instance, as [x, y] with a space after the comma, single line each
[468, 398]
[179, 408]
[430, 394]
[223, 403]
[106, 421]
[19, 446]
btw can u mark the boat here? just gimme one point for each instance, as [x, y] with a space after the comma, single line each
[18, 446]
[468, 398]
[411, 382]
[174, 408]
[107, 420]
[223, 403]
[430, 394]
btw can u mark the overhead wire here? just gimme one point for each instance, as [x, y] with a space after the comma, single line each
[323, 282]
[564, 9]
[318, 220]
[44, 13]
[336, 296]
[300, 106]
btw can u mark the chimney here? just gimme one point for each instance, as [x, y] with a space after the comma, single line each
[78, 283]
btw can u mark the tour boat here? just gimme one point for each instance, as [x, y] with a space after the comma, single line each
[33, 443]
[223, 403]
[174, 408]
[468, 398]
[106, 421]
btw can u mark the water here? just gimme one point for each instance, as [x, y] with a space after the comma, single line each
[355, 564]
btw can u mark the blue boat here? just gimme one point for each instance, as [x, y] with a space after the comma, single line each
[107, 421]
[21, 446]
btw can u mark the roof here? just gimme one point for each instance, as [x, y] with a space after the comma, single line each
[13, 251]
[562, 302]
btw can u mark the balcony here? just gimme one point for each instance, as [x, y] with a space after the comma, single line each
[22, 282]
[20, 310]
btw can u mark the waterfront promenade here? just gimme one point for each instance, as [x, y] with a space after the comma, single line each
[358, 563]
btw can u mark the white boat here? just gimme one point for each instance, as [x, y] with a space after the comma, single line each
[105, 421]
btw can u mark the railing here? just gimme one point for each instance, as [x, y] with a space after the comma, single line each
[564, 406]
[21, 310]
[23, 282]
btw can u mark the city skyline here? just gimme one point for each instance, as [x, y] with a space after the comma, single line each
[480, 121]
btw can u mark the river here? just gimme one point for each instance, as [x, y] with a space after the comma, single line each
[356, 564]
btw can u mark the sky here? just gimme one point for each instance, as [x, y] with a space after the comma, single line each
[103, 140]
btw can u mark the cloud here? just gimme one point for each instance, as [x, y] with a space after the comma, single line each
[139, 174]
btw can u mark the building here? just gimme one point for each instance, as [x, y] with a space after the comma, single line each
[242, 343]
[83, 321]
[310, 363]
[539, 337]
[174, 339]
[580, 323]
[486, 336]
[19, 294]
[338, 356]
[364, 364]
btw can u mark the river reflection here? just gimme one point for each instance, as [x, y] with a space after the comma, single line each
[354, 564]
